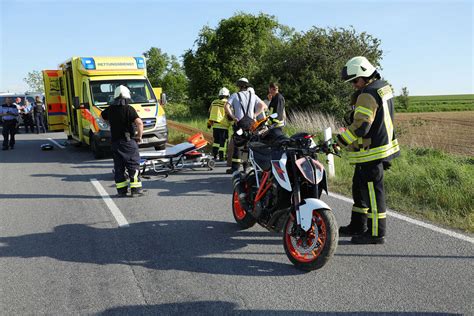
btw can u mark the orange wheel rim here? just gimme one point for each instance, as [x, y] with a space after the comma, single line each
[307, 250]
[239, 212]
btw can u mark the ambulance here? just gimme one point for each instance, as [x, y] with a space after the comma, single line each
[83, 87]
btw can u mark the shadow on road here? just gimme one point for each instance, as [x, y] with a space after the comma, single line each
[229, 308]
[188, 245]
[191, 186]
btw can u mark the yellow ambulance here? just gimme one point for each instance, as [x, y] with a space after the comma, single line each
[83, 87]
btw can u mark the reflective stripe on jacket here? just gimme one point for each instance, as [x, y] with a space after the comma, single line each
[371, 135]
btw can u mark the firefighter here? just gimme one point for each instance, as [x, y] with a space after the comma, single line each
[121, 117]
[242, 107]
[219, 123]
[371, 143]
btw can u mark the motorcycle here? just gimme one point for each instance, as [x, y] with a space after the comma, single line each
[280, 189]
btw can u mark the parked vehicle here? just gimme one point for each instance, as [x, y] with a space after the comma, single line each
[83, 87]
[280, 189]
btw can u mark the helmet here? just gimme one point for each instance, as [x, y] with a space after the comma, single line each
[243, 82]
[357, 67]
[47, 147]
[122, 91]
[224, 92]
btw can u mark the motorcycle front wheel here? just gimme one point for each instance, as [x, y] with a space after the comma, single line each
[241, 216]
[312, 249]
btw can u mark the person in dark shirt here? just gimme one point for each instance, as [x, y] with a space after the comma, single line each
[121, 117]
[276, 105]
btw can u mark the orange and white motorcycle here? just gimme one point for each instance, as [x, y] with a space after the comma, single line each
[281, 189]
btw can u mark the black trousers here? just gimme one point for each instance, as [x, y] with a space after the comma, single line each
[28, 122]
[39, 120]
[220, 137]
[8, 132]
[368, 211]
[126, 157]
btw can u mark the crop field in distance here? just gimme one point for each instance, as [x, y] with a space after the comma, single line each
[448, 131]
[438, 103]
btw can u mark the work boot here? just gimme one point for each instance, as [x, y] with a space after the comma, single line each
[350, 231]
[122, 192]
[138, 192]
[366, 239]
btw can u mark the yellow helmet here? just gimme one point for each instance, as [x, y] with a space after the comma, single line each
[357, 67]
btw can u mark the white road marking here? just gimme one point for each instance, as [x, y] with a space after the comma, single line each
[414, 221]
[56, 143]
[121, 220]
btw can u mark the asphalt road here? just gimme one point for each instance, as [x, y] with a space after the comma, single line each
[62, 252]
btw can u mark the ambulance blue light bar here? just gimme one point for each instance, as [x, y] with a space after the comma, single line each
[140, 62]
[88, 63]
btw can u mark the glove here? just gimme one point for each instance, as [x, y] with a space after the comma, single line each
[209, 124]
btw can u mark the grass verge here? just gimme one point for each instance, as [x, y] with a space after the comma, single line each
[423, 183]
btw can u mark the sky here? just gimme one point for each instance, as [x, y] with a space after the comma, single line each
[427, 44]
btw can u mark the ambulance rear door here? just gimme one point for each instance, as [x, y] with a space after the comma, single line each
[56, 111]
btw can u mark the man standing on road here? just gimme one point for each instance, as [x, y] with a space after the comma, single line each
[219, 123]
[38, 110]
[372, 144]
[242, 107]
[276, 105]
[121, 117]
[9, 114]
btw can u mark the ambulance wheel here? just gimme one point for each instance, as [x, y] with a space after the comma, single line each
[211, 164]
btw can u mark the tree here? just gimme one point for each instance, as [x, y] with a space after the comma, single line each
[236, 48]
[308, 68]
[34, 80]
[402, 99]
[166, 72]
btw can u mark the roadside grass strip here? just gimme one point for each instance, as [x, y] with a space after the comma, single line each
[56, 143]
[121, 220]
[414, 221]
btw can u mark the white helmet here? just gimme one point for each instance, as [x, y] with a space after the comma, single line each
[224, 92]
[243, 82]
[122, 91]
[357, 67]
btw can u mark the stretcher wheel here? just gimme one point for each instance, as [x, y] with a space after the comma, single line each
[211, 164]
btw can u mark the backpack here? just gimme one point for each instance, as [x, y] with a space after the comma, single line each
[246, 122]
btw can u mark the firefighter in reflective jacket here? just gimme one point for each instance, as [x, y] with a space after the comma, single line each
[219, 123]
[371, 143]
[121, 117]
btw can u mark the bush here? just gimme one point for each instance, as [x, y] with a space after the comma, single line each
[176, 111]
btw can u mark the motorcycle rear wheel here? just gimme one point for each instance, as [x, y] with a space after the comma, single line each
[313, 249]
[241, 216]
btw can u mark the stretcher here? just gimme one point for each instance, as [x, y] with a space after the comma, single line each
[178, 157]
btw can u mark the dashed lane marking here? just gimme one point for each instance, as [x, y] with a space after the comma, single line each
[121, 220]
[414, 221]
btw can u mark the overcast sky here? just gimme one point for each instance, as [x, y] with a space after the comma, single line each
[428, 45]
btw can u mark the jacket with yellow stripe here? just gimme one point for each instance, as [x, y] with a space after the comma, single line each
[217, 115]
[371, 135]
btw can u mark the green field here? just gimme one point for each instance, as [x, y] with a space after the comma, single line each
[438, 103]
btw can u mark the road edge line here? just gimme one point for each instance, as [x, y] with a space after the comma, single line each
[121, 220]
[56, 143]
[414, 221]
